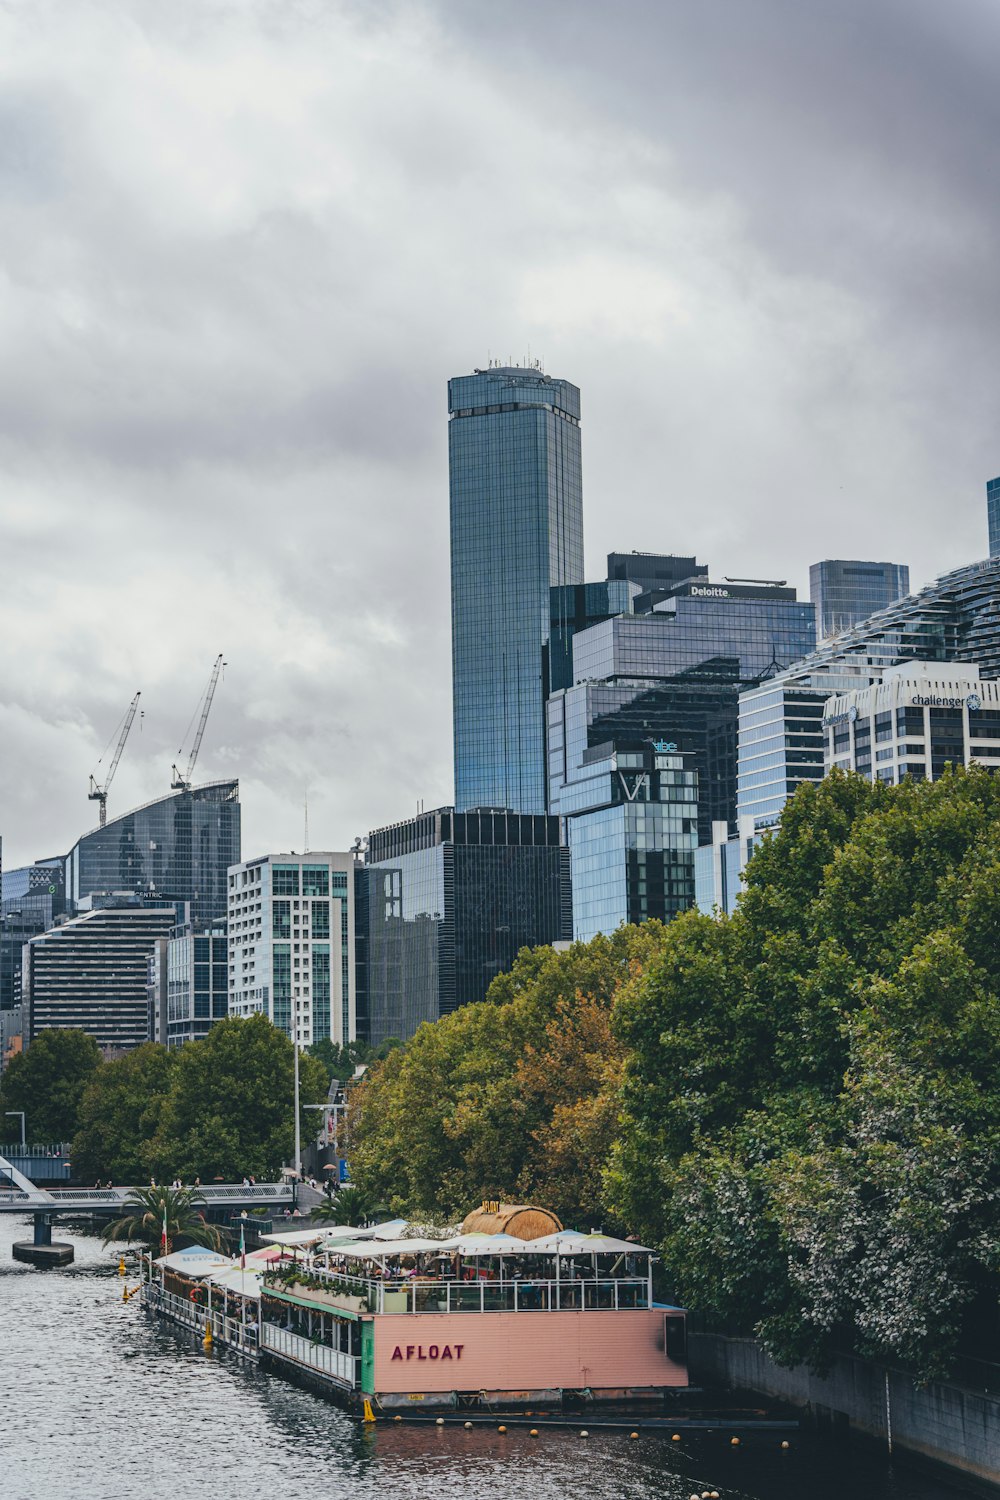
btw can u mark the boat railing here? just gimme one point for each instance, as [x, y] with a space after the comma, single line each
[225, 1330]
[420, 1295]
[310, 1353]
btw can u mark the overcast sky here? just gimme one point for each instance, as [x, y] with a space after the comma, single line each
[244, 244]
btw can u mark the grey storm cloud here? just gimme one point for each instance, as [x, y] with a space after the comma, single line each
[245, 242]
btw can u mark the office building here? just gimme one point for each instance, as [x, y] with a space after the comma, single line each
[91, 973]
[451, 898]
[576, 607]
[719, 866]
[955, 619]
[177, 848]
[291, 928]
[33, 899]
[993, 514]
[642, 748]
[188, 984]
[921, 718]
[654, 573]
[845, 593]
[516, 533]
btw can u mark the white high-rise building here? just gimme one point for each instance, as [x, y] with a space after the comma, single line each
[922, 717]
[291, 944]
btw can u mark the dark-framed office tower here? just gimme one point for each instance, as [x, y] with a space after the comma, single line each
[451, 898]
[516, 532]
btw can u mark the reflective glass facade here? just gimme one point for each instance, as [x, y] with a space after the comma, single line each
[845, 592]
[33, 897]
[451, 899]
[763, 630]
[177, 848]
[292, 924]
[189, 985]
[642, 749]
[576, 607]
[993, 514]
[955, 619]
[516, 532]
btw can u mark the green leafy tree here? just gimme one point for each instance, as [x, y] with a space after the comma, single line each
[47, 1082]
[810, 1125]
[229, 1111]
[148, 1209]
[121, 1113]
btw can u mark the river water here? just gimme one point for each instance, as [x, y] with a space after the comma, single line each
[103, 1403]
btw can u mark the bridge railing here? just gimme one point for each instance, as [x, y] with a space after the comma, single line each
[116, 1197]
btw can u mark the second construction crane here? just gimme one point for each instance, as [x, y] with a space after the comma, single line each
[181, 783]
[100, 793]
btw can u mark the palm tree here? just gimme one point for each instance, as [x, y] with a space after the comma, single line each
[148, 1209]
[351, 1206]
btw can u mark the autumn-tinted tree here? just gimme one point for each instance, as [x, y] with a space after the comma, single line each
[513, 1097]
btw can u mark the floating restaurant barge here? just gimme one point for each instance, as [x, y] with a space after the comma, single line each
[489, 1321]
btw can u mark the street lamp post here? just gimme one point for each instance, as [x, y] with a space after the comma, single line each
[24, 1138]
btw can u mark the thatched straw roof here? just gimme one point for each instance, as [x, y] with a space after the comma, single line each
[520, 1219]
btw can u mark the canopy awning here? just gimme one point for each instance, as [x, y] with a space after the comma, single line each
[243, 1283]
[493, 1244]
[380, 1249]
[569, 1243]
[195, 1261]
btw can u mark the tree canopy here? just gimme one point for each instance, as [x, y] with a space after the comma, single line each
[513, 1097]
[811, 1122]
[216, 1108]
[47, 1082]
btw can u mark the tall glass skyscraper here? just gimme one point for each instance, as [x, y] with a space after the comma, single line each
[516, 533]
[846, 592]
[178, 847]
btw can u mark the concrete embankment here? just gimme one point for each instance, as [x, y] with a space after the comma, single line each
[953, 1425]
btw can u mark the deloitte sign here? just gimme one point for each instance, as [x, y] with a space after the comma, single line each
[711, 592]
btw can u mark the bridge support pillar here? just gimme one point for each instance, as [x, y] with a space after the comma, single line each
[40, 1251]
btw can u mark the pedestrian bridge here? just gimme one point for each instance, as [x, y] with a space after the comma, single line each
[24, 1197]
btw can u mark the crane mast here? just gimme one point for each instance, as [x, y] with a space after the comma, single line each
[183, 783]
[100, 793]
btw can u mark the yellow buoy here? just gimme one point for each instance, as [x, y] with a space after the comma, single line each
[121, 1265]
[735, 1442]
[468, 1426]
[533, 1432]
[714, 1495]
[397, 1419]
[786, 1445]
[439, 1422]
[676, 1438]
[584, 1433]
[633, 1434]
[501, 1429]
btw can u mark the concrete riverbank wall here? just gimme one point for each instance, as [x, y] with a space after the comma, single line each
[952, 1425]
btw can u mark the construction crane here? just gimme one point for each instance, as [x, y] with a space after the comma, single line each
[181, 783]
[100, 793]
